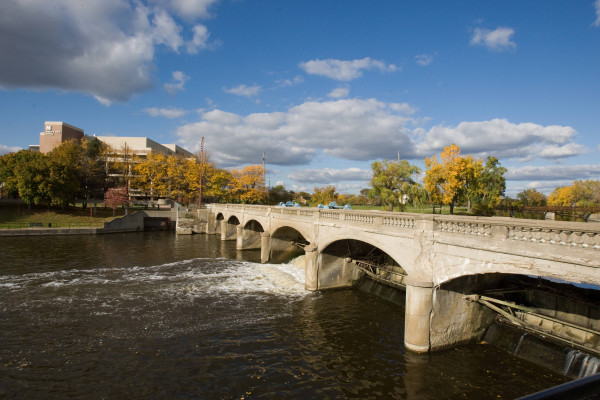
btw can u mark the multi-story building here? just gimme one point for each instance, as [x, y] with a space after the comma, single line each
[55, 133]
[141, 146]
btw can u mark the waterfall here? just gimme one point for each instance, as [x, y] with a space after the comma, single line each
[580, 364]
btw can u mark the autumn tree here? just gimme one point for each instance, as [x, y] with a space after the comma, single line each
[115, 197]
[248, 184]
[217, 184]
[581, 193]
[393, 183]
[454, 178]
[323, 195]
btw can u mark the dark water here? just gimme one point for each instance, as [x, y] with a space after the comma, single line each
[160, 316]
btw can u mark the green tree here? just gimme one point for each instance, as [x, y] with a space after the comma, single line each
[393, 183]
[65, 169]
[491, 186]
[532, 197]
[31, 177]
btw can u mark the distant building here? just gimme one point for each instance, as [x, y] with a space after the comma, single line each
[141, 146]
[56, 133]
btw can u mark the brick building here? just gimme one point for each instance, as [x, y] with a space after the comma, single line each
[55, 133]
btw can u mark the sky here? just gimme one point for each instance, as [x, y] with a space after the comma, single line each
[322, 88]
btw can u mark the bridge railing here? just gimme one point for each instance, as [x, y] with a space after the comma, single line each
[571, 234]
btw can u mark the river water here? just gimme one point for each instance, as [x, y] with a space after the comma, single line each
[158, 316]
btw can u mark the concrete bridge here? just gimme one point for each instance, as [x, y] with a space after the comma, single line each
[441, 261]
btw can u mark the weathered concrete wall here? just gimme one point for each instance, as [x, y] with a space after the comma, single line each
[134, 222]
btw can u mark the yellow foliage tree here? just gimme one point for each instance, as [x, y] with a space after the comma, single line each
[581, 193]
[150, 175]
[248, 184]
[453, 178]
[323, 195]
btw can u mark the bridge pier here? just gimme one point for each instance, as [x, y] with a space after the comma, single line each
[311, 267]
[419, 304]
[265, 247]
[228, 231]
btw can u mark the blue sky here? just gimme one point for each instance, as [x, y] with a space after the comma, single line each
[323, 88]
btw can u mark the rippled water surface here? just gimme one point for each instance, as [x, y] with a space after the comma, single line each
[155, 315]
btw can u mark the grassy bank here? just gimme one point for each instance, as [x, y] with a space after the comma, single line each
[14, 215]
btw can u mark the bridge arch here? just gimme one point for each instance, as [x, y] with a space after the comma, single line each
[249, 236]
[286, 243]
[344, 262]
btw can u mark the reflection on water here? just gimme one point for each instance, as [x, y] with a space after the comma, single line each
[155, 315]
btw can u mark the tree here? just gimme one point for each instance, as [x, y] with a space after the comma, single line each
[323, 195]
[491, 185]
[31, 177]
[453, 179]
[532, 197]
[115, 197]
[65, 168]
[393, 183]
[581, 193]
[248, 184]
[278, 194]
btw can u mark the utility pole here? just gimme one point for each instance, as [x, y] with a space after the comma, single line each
[264, 172]
[201, 171]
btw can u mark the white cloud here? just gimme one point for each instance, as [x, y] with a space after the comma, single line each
[597, 7]
[351, 129]
[330, 176]
[165, 112]
[166, 30]
[187, 9]
[179, 81]
[339, 93]
[503, 139]
[4, 149]
[424, 59]
[553, 172]
[290, 82]
[105, 49]
[199, 40]
[345, 70]
[244, 90]
[499, 39]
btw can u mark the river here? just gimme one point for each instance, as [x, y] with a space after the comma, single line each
[154, 315]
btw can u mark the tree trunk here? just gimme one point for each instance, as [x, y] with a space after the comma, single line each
[451, 208]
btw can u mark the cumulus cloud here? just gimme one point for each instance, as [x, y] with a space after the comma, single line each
[339, 93]
[179, 80]
[165, 112]
[499, 39]
[4, 149]
[597, 7]
[553, 172]
[352, 129]
[329, 176]
[345, 70]
[244, 90]
[105, 49]
[503, 139]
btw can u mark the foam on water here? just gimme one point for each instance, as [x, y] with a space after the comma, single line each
[188, 277]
